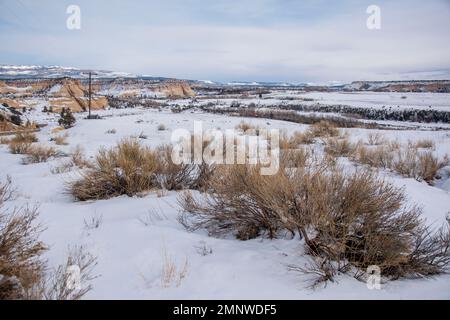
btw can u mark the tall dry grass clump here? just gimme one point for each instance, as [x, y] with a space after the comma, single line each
[171, 273]
[21, 266]
[128, 168]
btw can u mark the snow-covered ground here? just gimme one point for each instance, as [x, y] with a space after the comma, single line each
[419, 100]
[440, 101]
[374, 100]
[137, 234]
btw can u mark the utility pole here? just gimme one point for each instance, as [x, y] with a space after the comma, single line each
[90, 92]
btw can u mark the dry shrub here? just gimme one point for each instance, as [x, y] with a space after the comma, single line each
[244, 126]
[161, 127]
[38, 154]
[78, 158]
[60, 140]
[128, 168]
[63, 167]
[131, 169]
[6, 191]
[25, 137]
[172, 176]
[423, 144]
[348, 221]
[203, 176]
[21, 267]
[339, 147]
[60, 286]
[407, 161]
[238, 205]
[422, 166]
[378, 157]
[358, 220]
[393, 145]
[285, 142]
[376, 139]
[297, 139]
[23, 272]
[324, 129]
[297, 158]
[19, 147]
[21, 143]
[171, 274]
[57, 129]
[247, 203]
[5, 140]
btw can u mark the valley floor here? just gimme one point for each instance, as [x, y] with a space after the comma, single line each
[138, 235]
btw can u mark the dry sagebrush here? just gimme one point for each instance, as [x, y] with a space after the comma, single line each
[171, 176]
[324, 129]
[407, 161]
[23, 272]
[339, 147]
[21, 143]
[247, 204]
[21, 266]
[348, 221]
[60, 140]
[128, 168]
[25, 137]
[131, 168]
[40, 153]
[19, 147]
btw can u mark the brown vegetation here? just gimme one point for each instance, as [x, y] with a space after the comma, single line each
[346, 220]
[129, 168]
[23, 272]
[408, 161]
[339, 147]
[39, 153]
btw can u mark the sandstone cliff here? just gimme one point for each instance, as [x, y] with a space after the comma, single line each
[72, 94]
[174, 88]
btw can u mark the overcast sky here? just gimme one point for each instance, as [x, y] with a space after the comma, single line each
[223, 40]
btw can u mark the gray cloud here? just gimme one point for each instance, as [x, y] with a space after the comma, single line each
[272, 44]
